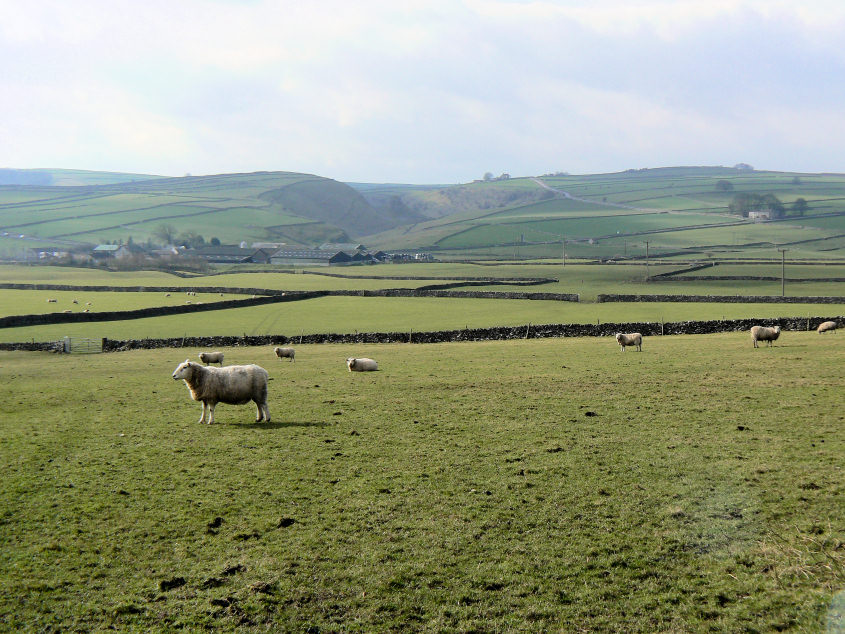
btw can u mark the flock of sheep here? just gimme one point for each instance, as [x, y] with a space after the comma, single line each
[239, 384]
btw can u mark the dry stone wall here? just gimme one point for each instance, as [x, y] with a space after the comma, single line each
[726, 299]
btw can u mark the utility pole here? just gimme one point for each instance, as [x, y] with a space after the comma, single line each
[783, 272]
[647, 277]
[563, 248]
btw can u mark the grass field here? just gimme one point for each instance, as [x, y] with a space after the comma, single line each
[521, 486]
[380, 314]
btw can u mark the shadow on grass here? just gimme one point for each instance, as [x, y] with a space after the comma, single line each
[282, 425]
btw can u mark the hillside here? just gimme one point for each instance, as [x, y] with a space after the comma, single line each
[63, 177]
[278, 206]
[682, 210]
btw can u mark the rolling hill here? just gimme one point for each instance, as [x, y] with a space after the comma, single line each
[680, 211]
[278, 206]
[683, 210]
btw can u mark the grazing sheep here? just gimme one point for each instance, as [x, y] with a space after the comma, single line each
[361, 365]
[828, 326]
[234, 384]
[167, 294]
[764, 333]
[76, 301]
[87, 303]
[283, 353]
[211, 357]
[630, 339]
[67, 311]
[52, 301]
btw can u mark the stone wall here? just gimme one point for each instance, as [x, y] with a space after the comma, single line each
[727, 299]
[529, 331]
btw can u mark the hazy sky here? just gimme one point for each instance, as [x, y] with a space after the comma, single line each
[428, 91]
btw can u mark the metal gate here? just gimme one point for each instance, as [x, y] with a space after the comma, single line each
[82, 345]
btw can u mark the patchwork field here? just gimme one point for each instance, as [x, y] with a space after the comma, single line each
[529, 485]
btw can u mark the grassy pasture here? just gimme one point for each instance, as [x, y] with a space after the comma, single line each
[13, 302]
[380, 314]
[520, 486]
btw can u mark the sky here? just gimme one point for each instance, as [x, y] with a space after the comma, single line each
[421, 91]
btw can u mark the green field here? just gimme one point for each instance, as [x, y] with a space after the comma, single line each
[502, 486]
[604, 204]
[230, 207]
[379, 314]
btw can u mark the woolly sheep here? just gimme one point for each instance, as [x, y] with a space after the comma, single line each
[828, 326]
[361, 365]
[234, 384]
[630, 339]
[764, 333]
[52, 301]
[76, 301]
[211, 357]
[284, 353]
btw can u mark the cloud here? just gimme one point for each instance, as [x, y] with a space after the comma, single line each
[428, 90]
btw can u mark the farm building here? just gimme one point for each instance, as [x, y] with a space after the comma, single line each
[233, 255]
[348, 247]
[105, 251]
[310, 257]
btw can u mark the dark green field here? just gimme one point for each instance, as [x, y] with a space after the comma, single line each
[523, 486]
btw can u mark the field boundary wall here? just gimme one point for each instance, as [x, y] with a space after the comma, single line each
[722, 299]
[528, 331]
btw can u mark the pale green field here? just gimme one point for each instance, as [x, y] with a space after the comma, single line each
[377, 314]
[13, 302]
[520, 486]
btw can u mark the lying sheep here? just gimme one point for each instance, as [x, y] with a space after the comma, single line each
[235, 384]
[828, 326]
[630, 339]
[285, 353]
[76, 301]
[764, 333]
[52, 301]
[87, 303]
[361, 365]
[211, 357]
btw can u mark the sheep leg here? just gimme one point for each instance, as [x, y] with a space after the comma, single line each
[211, 413]
[202, 418]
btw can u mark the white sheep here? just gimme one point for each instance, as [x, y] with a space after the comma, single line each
[52, 301]
[285, 353]
[764, 333]
[630, 339]
[361, 365]
[211, 357]
[234, 384]
[76, 301]
[88, 303]
[828, 326]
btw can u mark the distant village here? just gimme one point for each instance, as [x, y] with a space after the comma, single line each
[273, 253]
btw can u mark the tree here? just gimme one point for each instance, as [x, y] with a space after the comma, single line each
[724, 186]
[191, 239]
[744, 203]
[166, 233]
[215, 242]
[800, 207]
[488, 176]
